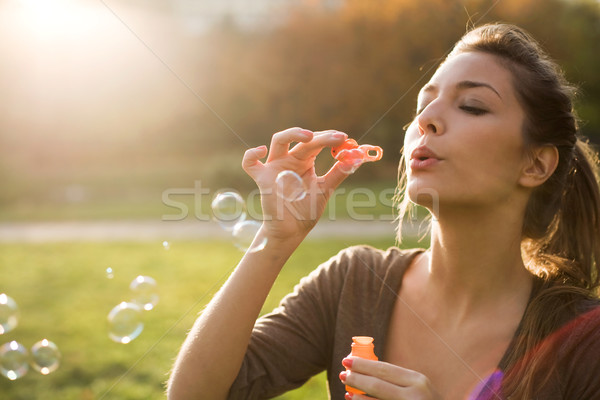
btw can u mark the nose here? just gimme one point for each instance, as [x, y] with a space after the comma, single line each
[430, 120]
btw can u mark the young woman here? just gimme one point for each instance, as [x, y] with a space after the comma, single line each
[504, 302]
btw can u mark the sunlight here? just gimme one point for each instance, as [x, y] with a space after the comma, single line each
[52, 18]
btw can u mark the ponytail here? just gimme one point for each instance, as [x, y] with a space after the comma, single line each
[568, 249]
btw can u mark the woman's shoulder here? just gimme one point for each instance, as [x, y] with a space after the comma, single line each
[366, 263]
[368, 257]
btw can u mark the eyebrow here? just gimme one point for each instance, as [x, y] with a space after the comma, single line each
[463, 85]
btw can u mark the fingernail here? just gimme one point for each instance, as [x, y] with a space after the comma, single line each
[343, 376]
[348, 395]
[340, 135]
[347, 362]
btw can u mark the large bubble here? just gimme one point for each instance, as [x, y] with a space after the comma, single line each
[125, 322]
[228, 209]
[145, 292]
[9, 314]
[13, 360]
[244, 234]
[290, 186]
[45, 357]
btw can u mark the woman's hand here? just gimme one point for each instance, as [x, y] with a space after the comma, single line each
[385, 381]
[285, 219]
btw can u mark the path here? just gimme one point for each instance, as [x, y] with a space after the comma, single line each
[153, 230]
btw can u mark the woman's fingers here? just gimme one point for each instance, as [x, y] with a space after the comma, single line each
[280, 142]
[387, 381]
[331, 138]
[334, 177]
[251, 161]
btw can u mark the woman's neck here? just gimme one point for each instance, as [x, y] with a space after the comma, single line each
[476, 260]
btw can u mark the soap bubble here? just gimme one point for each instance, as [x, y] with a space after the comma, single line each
[9, 314]
[290, 186]
[125, 322]
[350, 160]
[228, 209]
[244, 234]
[45, 357]
[145, 292]
[166, 245]
[13, 360]
[109, 273]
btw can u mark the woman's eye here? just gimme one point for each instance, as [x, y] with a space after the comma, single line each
[473, 110]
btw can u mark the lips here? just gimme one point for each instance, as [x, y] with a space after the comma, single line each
[423, 157]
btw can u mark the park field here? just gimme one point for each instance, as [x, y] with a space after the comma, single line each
[64, 294]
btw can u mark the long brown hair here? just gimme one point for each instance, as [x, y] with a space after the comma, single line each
[561, 228]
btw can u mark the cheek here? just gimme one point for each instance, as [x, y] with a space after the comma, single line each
[411, 137]
[496, 166]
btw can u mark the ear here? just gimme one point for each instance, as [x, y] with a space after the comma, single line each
[541, 163]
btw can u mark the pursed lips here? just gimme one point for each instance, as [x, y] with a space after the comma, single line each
[423, 157]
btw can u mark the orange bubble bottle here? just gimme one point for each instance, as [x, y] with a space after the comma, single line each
[362, 346]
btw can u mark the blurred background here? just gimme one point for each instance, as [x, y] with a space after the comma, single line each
[107, 103]
[119, 114]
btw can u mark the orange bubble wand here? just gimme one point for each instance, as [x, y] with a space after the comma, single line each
[352, 155]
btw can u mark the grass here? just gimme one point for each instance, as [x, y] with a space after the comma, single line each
[64, 295]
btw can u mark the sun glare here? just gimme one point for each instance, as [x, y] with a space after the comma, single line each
[51, 18]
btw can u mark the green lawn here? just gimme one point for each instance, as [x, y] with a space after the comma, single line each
[64, 295]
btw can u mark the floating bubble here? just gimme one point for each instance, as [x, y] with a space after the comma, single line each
[290, 186]
[244, 234]
[9, 314]
[350, 160]
[45, 357]
[109, 273]
[145, 292]
[125, 322]
[13, 360]
[228, 209]
[166, 245]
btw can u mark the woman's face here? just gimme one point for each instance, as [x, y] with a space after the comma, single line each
[465, 146]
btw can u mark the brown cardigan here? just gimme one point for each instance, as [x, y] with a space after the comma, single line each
[353, 294]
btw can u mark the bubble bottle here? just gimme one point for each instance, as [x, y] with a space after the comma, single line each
[362, 346]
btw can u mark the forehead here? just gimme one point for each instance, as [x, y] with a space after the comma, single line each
[473, 66]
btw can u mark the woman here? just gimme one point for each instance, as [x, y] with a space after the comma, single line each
[503, 303]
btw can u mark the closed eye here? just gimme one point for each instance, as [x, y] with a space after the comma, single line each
[473, 110]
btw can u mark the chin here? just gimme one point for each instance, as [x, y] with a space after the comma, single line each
[425, 196]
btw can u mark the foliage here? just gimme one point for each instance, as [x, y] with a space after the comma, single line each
[353, 65]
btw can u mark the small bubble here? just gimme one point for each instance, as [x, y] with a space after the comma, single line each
[350, 160]
[125, 322]
[9, 314]
[166, 245]
[145, 292]
[290, 186]
[45, 357]
[13, 360]
[109, 273]
[228, 209]
[244, 234]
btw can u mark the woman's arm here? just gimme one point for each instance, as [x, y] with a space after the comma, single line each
[212, 354]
